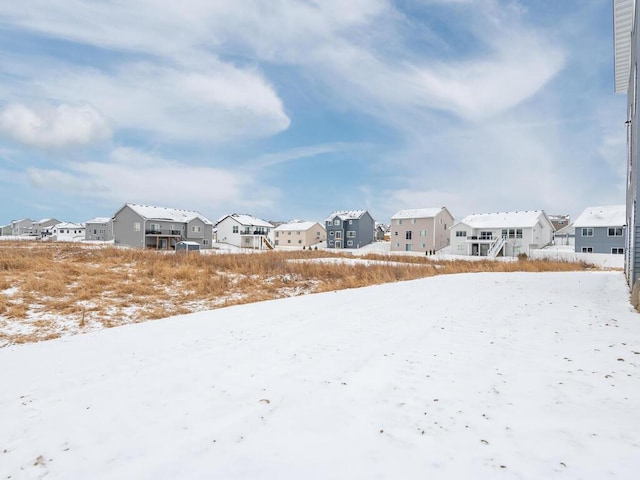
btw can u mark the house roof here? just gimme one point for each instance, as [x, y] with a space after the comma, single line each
[167, 214]
[68, 225]
[296, 226]
[527, 218]
[99, 220]
[623, 18]
[417, 213]
[246, 220]
[346, 215]
[607, 216]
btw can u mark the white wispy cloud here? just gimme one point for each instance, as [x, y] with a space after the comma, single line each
[48, 126]
[130, 175]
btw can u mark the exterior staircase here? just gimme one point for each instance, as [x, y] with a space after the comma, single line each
[495, 247]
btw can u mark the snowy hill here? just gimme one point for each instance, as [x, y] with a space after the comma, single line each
[465, 376]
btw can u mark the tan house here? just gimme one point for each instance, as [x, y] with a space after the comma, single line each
[420, 230]
[299, 234]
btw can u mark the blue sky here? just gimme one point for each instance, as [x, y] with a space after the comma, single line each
[293, 109]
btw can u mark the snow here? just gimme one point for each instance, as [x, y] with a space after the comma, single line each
[417, 213]
[247, 220]
[99, 220]
[296, 226]
[607, 216]
[164, 213]
[503, 219]
[346, 215]
[489, 375]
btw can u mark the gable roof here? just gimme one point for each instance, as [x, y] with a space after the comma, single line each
[525, 219]
[168, 214]
[297, 226]
[607, 216]
[99, 220]
[346, 215]
[246, 220]
[417, 213]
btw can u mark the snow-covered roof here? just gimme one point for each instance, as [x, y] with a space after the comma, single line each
[607, 216]
[346, 215]
[69, 225]
[99, 220]
[167, 214]
[527, 218]
[417, 213]
[296, 226]
[246, 220]
[188, 242]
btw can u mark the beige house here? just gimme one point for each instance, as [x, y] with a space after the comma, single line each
[420, 230]
[299, 234]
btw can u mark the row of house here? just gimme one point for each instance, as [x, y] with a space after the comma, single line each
[596, 230]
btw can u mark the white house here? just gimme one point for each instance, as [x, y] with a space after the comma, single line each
[68, 232]
[501, 234]
[245, 231]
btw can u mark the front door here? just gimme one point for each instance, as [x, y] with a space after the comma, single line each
[338, 243]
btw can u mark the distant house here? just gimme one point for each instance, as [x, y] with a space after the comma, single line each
[159, 228]
[299, 234]
[245, 231]
[601, 230]
[349, 229]
[99, 229]
[501, 234]
[5, 230]
[23, 226]
[565, 236]
[68, 232]
[420, 230]
[381, 232]
[559, 221]
[44, 227]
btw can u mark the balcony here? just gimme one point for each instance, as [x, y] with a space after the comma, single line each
[481, 238]
[163, 232]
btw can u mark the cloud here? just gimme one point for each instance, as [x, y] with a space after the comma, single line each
[131, 175]
[47, 126]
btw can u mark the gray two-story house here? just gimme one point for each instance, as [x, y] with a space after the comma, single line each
[601, 230]
[349, 229]
[160, 228]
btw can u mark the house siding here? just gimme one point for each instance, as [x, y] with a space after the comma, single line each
[600, 242]
[123, 232]
[363, 228]
[436, 231]
[99, 231]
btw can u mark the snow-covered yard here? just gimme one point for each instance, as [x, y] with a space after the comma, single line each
[488, 375]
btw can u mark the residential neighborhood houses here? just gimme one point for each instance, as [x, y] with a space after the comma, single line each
[418, 231]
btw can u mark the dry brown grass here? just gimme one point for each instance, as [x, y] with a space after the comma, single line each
[49, 289]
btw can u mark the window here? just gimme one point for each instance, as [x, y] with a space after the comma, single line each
[350, 222]
[288, 241]
[336, 221]
[407, 235]
[196, 228]
[587, 232]
[413, 221]
[338, 234]
[136, 227]
[205, 242]
[397, 244]
[423, 245]
[617, 251]
[299, 241]
[331, 232]
[277, 242]
[486, 235]
[95, 231]
[235, 229]
[461, 233]
[399, 221]
[423, 233]
[587, 249]
[350, 243]
[328, 223]
[518, 233]
[408, 247]
[277, 234]
[351, 234]
[298, 232]
[288, 233]
[615, 232]
[396, 234]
